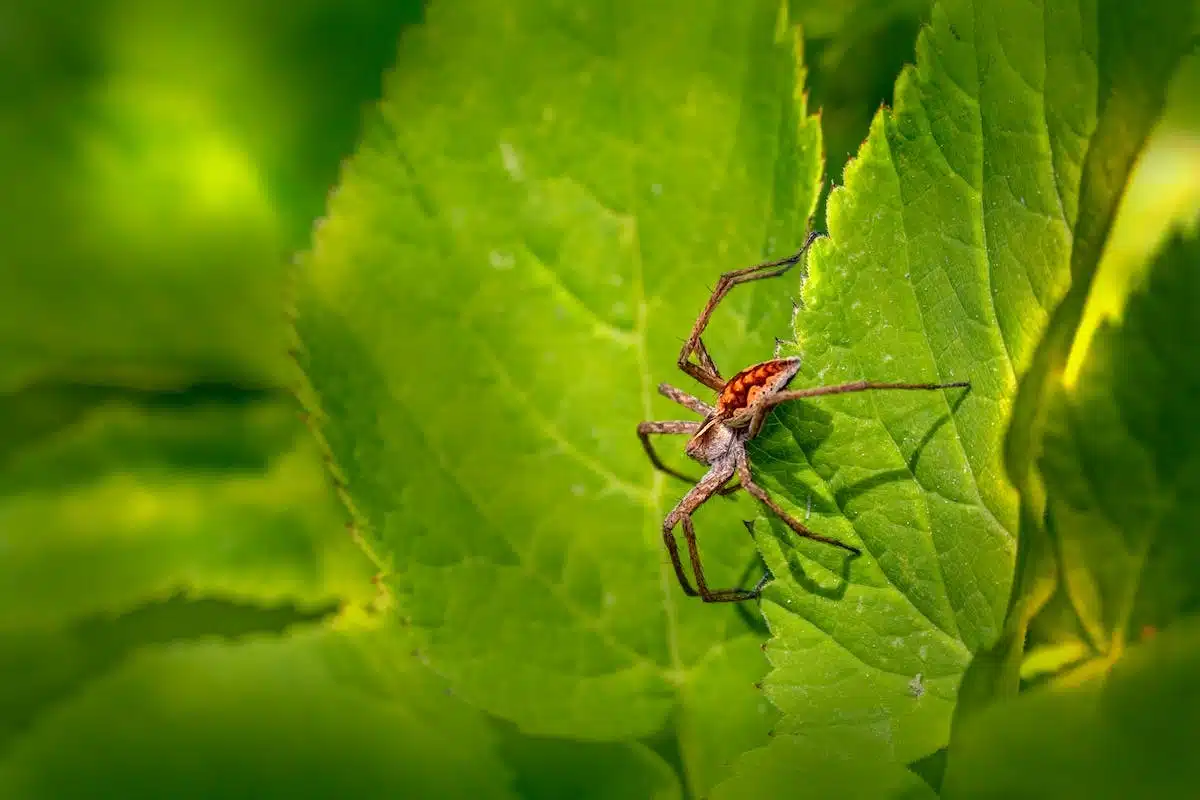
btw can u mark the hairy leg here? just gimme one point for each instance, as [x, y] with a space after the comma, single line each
[699, 494]
[684, 399]
[646, 429]
[858, 386]
[797, 526]
[770, 269]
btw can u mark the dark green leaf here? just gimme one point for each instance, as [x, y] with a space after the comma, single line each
[1122, 734]
[126, 503]
[800, 766]
[1121, 461]
[316, 714]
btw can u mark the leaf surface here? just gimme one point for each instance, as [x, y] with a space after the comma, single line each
[118, 503]
[1121, 734]
[866, 770]
[952, 242]
[315, 714]
[1120, 462]
[503, 280]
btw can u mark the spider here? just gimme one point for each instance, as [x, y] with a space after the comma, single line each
[719, 442]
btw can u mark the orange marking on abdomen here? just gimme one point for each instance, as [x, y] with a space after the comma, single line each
[737, 393]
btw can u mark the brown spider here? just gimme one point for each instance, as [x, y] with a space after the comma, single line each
[720, 440]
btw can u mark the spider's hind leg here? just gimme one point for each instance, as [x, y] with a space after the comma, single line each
[706, 360]
[706, 594]
[708, 486]
[796, 525]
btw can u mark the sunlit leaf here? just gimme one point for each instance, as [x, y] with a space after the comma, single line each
[501, 283]
[951, 244]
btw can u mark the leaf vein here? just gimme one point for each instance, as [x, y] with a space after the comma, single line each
[949, 409]
[551, 431]
[865, 544]
[602, 327]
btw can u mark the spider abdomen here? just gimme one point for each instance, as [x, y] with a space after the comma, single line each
[767, 377]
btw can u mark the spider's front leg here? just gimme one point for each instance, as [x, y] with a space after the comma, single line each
[705, 371]
[684, 399]
[708, 486]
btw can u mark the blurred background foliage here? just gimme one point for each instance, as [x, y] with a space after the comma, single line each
[161, 162]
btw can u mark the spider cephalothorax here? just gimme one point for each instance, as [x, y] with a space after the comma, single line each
[720, 440]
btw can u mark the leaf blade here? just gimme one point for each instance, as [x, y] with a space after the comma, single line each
[578, 222]
[133, 731]
[951, 245]
[1117, 461]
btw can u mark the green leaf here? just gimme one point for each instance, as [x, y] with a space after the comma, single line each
[316, 714]
[58, 436]
[865, 770]
[557, 768]
[1161, 195]
[1119, 464]
[163, 160]
[1137, 48]
[501, 283]
[951, 244]
[40, 666]
[1121, 467]
[124, 503]
[1123, 734]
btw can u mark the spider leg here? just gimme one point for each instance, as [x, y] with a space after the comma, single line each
[756, 422]
[706, 594]
[697, 496]
[706, 360]
[708, 486]
[760, 408]
[645, 429]
[760, 493]
[701, 371]
[684, 399]
[858, 386]
[673, 550]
